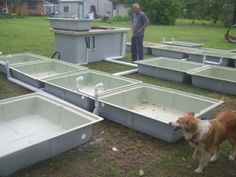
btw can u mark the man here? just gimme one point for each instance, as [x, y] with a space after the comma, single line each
[139, 23]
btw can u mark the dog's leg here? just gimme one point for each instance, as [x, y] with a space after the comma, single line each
[203, 161]
[194, 156]
[216, 154]
[233, 152]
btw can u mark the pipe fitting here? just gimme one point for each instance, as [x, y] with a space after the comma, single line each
[77, 82]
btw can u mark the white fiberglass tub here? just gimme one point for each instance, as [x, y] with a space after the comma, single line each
[35, 127]
[149, 109]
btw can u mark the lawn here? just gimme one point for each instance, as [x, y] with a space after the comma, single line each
[136, 151]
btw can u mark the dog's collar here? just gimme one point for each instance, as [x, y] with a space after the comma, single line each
[195, 138]
[198, 135]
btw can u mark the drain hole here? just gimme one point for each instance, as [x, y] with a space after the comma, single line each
[83, 136]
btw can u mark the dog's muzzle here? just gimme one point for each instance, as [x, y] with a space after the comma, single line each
[175, 126]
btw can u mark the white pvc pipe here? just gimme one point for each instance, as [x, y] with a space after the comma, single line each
[114, 58]
[123, 44]
[77, 82]
[126, 72]
[20, 83]
[121, 62]
[96, 98]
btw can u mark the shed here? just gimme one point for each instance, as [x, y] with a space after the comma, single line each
[100, 8]
[69, 8]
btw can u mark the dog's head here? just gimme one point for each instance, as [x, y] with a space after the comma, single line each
[186, 123]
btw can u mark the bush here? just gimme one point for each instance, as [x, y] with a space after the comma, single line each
[158, 11]
[161, 11]
[120, 18]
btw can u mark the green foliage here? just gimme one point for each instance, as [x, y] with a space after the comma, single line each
[120, 18]
[158, 11]
[215, 10]
[161, 11]
[227, 13]
[167, 11]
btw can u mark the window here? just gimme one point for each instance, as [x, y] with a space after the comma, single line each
[32, 4]
[66, 8]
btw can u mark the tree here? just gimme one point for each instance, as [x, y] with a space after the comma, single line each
[215, 9]
[234, 15]
[159, 11]
[193, 9]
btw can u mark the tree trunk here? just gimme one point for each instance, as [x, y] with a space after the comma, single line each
[234, 16]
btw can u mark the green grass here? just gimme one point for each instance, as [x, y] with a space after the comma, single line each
[136, 150]
[26, 34]
[8, 89]
[211, 36]
[33, 34]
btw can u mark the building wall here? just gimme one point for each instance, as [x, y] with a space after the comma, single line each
[50, 9]
[74, 9]
[104, 8]
[25, 8]
[122, 10]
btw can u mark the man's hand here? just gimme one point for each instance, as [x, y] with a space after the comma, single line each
[143, 28]
[140, 30]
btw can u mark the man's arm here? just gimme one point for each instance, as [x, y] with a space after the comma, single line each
[141, 29]
[146, 23]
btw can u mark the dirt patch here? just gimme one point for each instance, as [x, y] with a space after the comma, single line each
[132, 149]
[229, 103]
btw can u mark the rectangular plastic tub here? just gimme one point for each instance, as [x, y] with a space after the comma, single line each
[21, 58]
[149, 109]
[147, 47]
[213, 57]
[36, 127]
[97, 44]
[71, 24]
[215, 78]
[172, 51]
[33, 74]
[233, 51]
[66, 87]
[184, 44]
[169, 69]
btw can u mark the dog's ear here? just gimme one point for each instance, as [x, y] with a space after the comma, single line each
[191, 114]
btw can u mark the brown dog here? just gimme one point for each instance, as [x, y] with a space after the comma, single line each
[207, 135]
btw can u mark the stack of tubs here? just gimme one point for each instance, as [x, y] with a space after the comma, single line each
[79, 43]
[74, 24]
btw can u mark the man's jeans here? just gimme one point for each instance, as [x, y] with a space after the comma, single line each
[137, 48]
